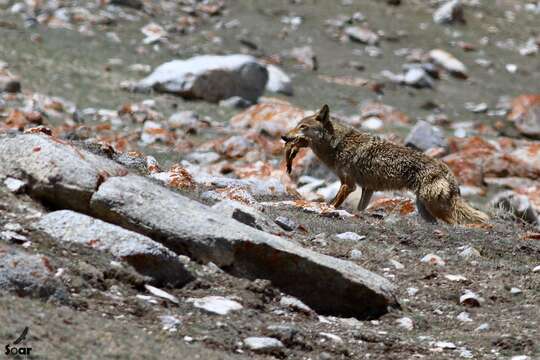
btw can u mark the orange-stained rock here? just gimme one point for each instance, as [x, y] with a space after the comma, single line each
[16, 120]
[467, 159]
[525, 113]
[386, 113]
[504, 165]
[274, 119]
[398, 205]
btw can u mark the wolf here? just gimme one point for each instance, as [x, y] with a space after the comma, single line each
[375, 164]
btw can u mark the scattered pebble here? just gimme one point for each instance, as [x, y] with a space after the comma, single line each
[216, 304]
[170, 323]
[286, 223]
[433, 260]
[464, 317]
[349, 236]
[515, 291]
[406, 323]
[294, 303]
[470, 299]
[331, 337]
[263, 344]
[162, 294]
[14, 185]
[355, 254]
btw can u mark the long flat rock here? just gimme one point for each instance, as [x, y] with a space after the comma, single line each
[56, 171]
[328, 285]
[145, 255]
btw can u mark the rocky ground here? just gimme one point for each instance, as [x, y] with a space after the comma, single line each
[146, 213]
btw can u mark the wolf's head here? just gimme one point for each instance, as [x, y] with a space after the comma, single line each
[311, 129]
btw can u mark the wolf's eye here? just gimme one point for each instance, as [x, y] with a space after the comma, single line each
[303, 127]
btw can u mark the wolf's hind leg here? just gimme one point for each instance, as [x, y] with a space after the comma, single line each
[424, 213]
[364, 199]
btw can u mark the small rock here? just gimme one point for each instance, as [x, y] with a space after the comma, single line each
[135, 4]
[362, 35]
[520, 357]
[154, 33]
[13, 227]
[153, 132]
[14, 185]
[294, 303]
[305, 56]
[465, 353]
[372, 123]
[286, 223]
[331, 337]
[470, 299]
[412, 291]
[464, 317]
[263, 344]
[355, 254]
[445, 345]
[482, 327]
[235, 102]
[406, 323]
[476, 108]
[396, 264]
[216, 304]
[530, 48]
[186, 120]
[162, 294]
[525, 114]
[285, 333]
[424, 136]
[511, 68]
[12, 236]
[455, 277]
[448, 62]
[517, 204]
[349, 236]
[515, 291]
[9, 84]
[449, 12]
[536, 269]
[170, 323]
[245, 214]
[202, 158]
[433, 260]
[417, 77]
[469, 252]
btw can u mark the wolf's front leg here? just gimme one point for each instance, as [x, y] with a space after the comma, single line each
[345, 189]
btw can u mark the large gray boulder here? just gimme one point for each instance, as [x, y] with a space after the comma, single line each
[55, 171]
[209, 77]
[145, 255]
[326, 284]
[28, 275]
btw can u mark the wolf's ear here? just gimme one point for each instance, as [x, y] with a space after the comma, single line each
[324, 117]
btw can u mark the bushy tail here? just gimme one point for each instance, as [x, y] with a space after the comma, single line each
[463, 213]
